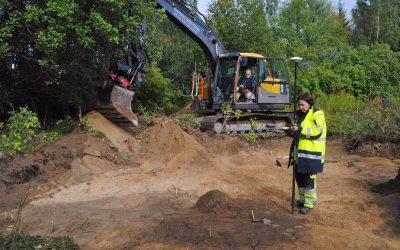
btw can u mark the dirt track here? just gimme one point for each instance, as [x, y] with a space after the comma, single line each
[140, 193]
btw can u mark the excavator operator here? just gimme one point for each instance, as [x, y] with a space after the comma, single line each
[246, 84]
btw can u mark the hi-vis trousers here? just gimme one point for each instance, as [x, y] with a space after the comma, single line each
[307, 184]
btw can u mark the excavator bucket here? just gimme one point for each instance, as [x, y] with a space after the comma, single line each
[115, 105]
[121, 99]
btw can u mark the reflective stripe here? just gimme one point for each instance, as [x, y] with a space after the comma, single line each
[311, 191]
[311, 201]
[309, 156]
[308, 132]
[321, 139]
[320, 128]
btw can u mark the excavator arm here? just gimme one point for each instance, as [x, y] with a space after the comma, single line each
[195, 26]
[189, 20]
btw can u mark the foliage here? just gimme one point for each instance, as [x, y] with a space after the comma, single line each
[156, 95]
[377, 21]
[310, 28]
[354, 119]
[187, 121]
[237, 114]
[250, 137]
[89, 128]
[253, 125]
[65, 125]
[61, 127]
[364, 72]
[23, 241]
[175, 54]
[49, 136]
[20, 134]
[55, 51]
[239, 22]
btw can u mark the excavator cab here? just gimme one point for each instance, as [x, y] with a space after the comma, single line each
[271, 88]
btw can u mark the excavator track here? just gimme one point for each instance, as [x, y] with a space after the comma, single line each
[252, 122]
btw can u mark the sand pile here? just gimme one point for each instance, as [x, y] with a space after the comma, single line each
[168, 144]
[119, 138]
[213, 201]
[389, 187]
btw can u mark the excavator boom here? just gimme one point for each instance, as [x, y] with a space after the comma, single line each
[118, 107]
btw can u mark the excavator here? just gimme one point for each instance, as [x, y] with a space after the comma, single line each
[262, 107]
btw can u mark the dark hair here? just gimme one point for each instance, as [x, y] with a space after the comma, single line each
[307, 97]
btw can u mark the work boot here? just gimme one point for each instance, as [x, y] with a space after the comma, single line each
[305, 210]
[298, 204]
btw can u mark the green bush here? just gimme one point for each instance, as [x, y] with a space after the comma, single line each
[65, 125]
[187, 121]
[89, 128]
[156, 94]
[364, 72]
[20, 134]
[352, 118]
[60, 128]
[48, 136]
[250, 137]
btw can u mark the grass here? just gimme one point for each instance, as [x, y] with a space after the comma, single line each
[23, 241]
[18, 240]
[187, 121]
[376, 120]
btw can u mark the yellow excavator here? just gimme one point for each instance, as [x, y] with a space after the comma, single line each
[262, 106]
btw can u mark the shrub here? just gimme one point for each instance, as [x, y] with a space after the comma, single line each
[65, 125]
[364, 72]
[156, 94]
[354, 119]
[187, 121]
[60, 128]
[20, 134]
[88, 127]
[250, 137]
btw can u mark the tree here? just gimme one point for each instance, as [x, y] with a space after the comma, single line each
[243, 26]
[176, 54]
[310, 28]
[377, 21]
[56, 52]
[364, 72]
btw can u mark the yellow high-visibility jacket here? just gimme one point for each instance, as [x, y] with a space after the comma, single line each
[312, 141]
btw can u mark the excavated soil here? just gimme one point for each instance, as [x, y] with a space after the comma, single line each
[166, 189]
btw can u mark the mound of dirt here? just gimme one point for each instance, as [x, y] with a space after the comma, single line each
[229, 228]
[387, 150]
[167, 143]
[48, 159]
[389, 187]
[73, 159]
[213, 201]
[39, 171]
[119, 138]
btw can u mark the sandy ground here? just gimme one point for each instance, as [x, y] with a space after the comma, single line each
[166, 189]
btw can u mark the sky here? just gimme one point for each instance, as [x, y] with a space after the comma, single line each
[348, 5]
